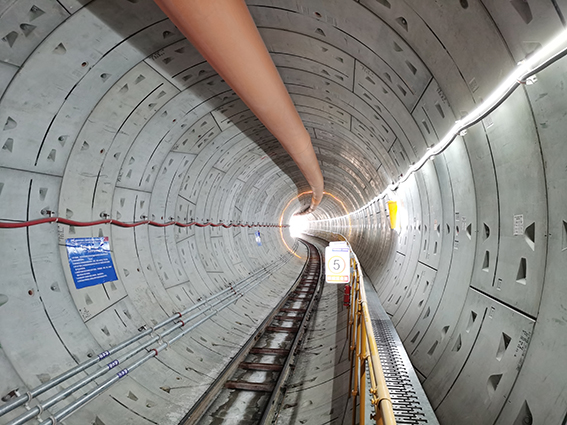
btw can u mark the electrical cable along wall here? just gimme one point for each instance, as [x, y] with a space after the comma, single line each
[107, 112]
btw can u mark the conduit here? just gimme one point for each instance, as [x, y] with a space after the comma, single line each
[232, 293]
[225, 34]
[19, 224]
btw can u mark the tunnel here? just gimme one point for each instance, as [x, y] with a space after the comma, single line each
[109, 114]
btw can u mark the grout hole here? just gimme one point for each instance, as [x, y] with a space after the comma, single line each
[402, 22]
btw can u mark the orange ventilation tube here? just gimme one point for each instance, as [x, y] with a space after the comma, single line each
[225, 34]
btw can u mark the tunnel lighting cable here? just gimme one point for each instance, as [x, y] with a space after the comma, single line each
[19, 224]
[524, 73]
[281, 225]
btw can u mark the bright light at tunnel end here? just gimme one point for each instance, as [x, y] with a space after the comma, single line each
[297, 227]
[298, 224]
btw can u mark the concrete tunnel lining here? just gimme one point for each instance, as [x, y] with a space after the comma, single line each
[107, 109]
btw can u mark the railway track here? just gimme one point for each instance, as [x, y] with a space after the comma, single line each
[251, 388]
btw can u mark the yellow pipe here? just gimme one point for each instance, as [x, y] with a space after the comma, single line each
[384, 402]
[354, 371]
[362, 374]
[225, 34]
[381, 395]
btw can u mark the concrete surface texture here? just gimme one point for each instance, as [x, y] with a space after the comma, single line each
[106, 110]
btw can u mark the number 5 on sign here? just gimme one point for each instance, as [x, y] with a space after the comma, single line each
[337, 260]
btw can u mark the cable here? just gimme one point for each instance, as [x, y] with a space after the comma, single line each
[20, 224]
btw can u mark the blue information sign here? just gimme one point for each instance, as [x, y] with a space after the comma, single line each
[90, 261]
[258, 238]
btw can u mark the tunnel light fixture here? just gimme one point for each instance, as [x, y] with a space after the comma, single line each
[524, 73]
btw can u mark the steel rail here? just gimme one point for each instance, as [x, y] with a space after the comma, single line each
[105, 369]
[204, 402]
[273, 404]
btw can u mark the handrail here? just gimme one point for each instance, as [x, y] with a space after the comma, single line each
[362, 340]
[363, 352]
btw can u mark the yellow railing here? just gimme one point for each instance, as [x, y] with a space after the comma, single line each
[363, 351]
[363, 354]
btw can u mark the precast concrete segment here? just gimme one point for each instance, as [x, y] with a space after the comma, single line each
[98, 97]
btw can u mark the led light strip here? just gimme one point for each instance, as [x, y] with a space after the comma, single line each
[523, 74]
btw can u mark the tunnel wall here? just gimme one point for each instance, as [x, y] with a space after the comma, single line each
[472, 276]
[107, 110]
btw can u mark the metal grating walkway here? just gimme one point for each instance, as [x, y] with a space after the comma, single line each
[411, 406]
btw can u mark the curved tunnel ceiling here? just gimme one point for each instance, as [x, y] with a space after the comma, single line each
[108, 110]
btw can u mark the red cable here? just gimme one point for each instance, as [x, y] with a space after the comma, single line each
[8, 225]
